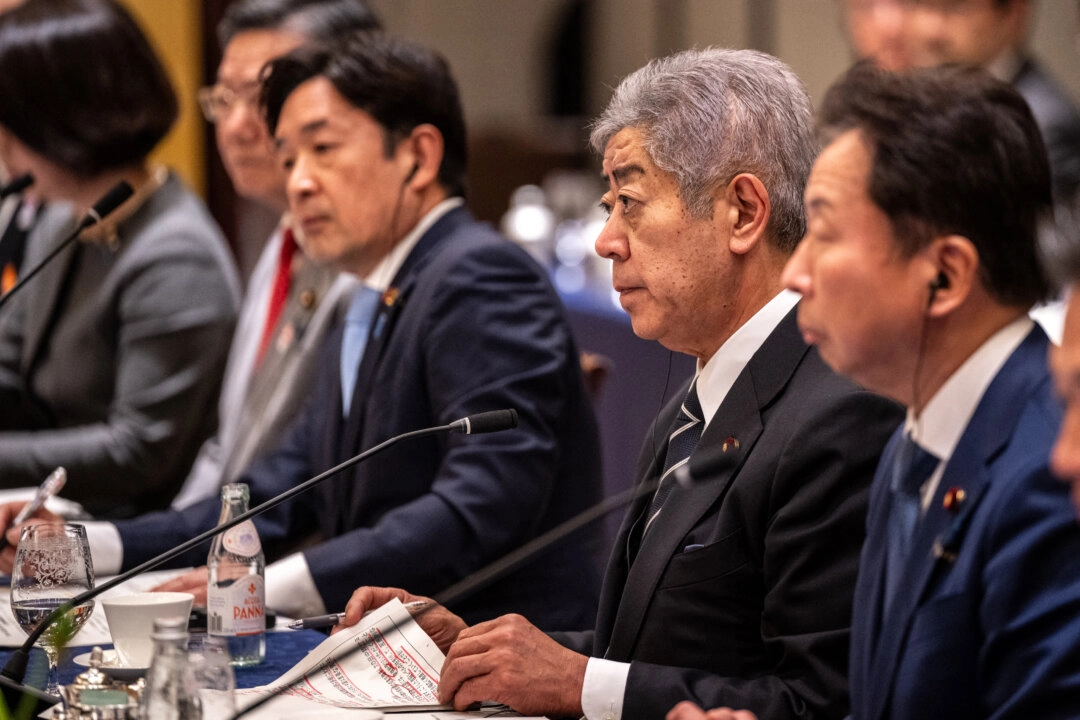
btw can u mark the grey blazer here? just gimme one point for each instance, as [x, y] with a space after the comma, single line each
[259, 400]
[111, 359]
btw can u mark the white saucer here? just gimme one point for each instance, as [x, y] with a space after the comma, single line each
[110, 665]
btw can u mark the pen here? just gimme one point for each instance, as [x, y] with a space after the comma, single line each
[52, 485]
[325, 621]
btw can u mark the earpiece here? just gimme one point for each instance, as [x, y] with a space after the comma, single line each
[412, 172]
[941, 282]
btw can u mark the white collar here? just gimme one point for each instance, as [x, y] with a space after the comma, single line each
[380, 278]
[715, 377]
[1005, 66]
[945, 417]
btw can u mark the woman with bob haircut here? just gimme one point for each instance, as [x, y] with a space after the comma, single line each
[110, 359]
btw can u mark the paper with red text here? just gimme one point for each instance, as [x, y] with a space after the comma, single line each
[396, 667]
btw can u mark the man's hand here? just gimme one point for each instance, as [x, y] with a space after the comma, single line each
[690, 711]
[511, 661]
[8, 511]
[193, 582]
[439, 623]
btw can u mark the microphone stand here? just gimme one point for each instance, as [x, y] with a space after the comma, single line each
[15, 669]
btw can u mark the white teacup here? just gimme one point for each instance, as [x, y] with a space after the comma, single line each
[131, 620]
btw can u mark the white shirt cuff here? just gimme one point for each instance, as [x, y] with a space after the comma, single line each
[290, 589]
[603, 689]
[106, 548]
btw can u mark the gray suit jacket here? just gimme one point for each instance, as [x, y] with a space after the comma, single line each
[111, 360]
[259, 400]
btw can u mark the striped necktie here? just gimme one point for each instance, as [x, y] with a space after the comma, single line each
[684, 436]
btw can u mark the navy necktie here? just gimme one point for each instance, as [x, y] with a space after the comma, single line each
[357, 323]
[684, 436]
[912, 466]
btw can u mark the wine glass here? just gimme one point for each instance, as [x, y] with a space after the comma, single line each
[52, 565]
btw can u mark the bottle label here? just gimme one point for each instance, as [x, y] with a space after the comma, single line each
[237, 608]
[242, 540]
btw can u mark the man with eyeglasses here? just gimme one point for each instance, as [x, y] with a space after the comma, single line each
[290, 302]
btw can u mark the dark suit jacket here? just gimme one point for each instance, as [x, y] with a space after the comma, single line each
[993, 630]
[475, 326]
[741, 592]
[1059, 121]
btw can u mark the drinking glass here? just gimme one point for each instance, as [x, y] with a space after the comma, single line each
[208, 656]
[52, 565]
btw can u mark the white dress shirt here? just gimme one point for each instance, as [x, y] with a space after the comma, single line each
[945, 417]
[605, 680]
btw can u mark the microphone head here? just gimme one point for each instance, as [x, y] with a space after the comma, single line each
[17, 185]
[486, 422]
[109, 202]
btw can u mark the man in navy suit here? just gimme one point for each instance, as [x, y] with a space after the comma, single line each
[736, 585]
[457, 321]
[917, 271]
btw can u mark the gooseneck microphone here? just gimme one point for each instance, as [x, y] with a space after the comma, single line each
[109, 202]
[16, 185]
[486, 422]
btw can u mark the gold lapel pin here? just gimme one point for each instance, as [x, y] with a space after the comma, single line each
[390, 296]
[954, 498]
[729, 444]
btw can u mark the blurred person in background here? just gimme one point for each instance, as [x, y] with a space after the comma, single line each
[875, 29]
[992, 34]
[111, 359]
[290, 302]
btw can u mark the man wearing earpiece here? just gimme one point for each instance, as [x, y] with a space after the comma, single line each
[916, 273]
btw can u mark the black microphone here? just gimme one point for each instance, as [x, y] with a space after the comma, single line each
[486, 422]
[17, 185]
[109, 202]
[15, 669]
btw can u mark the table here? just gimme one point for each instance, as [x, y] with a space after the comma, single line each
[284, 648]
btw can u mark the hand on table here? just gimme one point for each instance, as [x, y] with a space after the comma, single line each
[511, 661]
[690, 711]
[193, 582]
[439, 623]
[8, 511]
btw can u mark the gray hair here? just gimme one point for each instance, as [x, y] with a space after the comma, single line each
[708, 115]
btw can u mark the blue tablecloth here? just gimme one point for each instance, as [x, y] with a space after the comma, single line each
[283, 650]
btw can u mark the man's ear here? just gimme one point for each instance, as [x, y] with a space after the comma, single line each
[748, 210]
[420, 155]
[952, 268]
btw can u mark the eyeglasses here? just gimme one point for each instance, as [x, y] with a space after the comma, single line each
[218, 101]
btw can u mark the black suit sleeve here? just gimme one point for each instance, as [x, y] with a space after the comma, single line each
[812, 540]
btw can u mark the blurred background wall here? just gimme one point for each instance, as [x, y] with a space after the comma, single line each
[533, 71]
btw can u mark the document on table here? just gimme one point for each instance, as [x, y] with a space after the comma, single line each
[394, 666]
[96, 629]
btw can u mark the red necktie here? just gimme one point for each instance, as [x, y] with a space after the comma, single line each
[279, 294]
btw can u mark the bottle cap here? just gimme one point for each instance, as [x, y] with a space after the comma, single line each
[170, 628]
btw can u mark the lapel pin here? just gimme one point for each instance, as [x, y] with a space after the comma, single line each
[729, 445]
[307, 299]
[943, 551]
[954, 498]
[390, 296]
